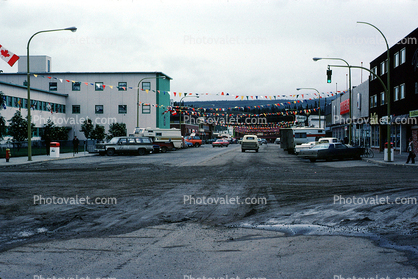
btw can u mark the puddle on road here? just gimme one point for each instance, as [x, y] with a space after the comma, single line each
[308, 229]
[320, 230]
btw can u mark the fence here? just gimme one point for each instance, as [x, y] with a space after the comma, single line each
[18, 149]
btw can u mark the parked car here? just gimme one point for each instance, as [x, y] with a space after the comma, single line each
[330, 151]
[277, 141]
[195, 140]
[302, 146]
[264, 141]
[126, 145]
[220, 143]
[250, 142]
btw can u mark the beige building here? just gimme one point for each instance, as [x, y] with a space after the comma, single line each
[68, 98]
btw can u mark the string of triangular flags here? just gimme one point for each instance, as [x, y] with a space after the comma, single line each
[304, 96]
[214, 112]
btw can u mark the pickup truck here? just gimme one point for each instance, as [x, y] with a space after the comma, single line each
[195, 140]
[250, 142]
[124, 145]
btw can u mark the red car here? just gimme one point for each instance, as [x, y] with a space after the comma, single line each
[195, 140]
[220, 143]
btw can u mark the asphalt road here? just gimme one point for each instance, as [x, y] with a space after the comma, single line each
[201, 196]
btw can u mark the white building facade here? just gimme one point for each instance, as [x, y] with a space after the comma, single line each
[69, 98]
[360, 122]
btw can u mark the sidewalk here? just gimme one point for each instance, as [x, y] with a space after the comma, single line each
[14, 161]
[399, 159]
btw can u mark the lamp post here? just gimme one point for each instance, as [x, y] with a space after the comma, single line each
[180, 109]
[72, 29]
[388, 134]
[319, 102]
[137, 98]
[349, 93]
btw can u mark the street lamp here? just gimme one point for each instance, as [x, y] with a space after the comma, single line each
[349, 92]
[72, 29]
[137, 98]
[319, 102]
[388, 134]
[180, 109]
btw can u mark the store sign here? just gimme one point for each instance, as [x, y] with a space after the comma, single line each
[413, 113]
[345, 107]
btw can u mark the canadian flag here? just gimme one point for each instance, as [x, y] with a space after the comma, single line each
[7, 56]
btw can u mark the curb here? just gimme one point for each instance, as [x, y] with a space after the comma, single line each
[379, 162]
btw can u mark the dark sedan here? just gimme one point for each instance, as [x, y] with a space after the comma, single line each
[330, 151]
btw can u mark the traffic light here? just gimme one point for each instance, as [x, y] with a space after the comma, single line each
[329, 74]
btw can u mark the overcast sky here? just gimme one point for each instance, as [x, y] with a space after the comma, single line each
[207, 46]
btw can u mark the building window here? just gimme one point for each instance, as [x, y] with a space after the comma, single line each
[18, 102]
[76, 109]
[99, 109]
[146, 86]
[402, 91]
[383, 67]
[382, 98]
[416, 87]
[10, 99]
[76, 86]
[396, 60]
[396, 93]
[98, 86]
[373, 101]
[122, 86]
[402, 56]
[53, 86]
[374, 70]
[146, 109]
[123, 109]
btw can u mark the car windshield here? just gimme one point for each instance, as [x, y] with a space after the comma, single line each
[250, 138]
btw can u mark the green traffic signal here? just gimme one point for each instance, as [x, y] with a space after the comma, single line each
[329, 74]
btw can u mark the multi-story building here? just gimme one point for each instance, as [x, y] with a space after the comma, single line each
[359, 115]
[403, 99]
[68, 98]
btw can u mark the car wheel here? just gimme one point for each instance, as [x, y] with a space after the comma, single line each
[312, 160]
[163, 149]
[196, 145]
[110, 152]
[141, 152]
[242, 150]
[256, 150]
[213, 146]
